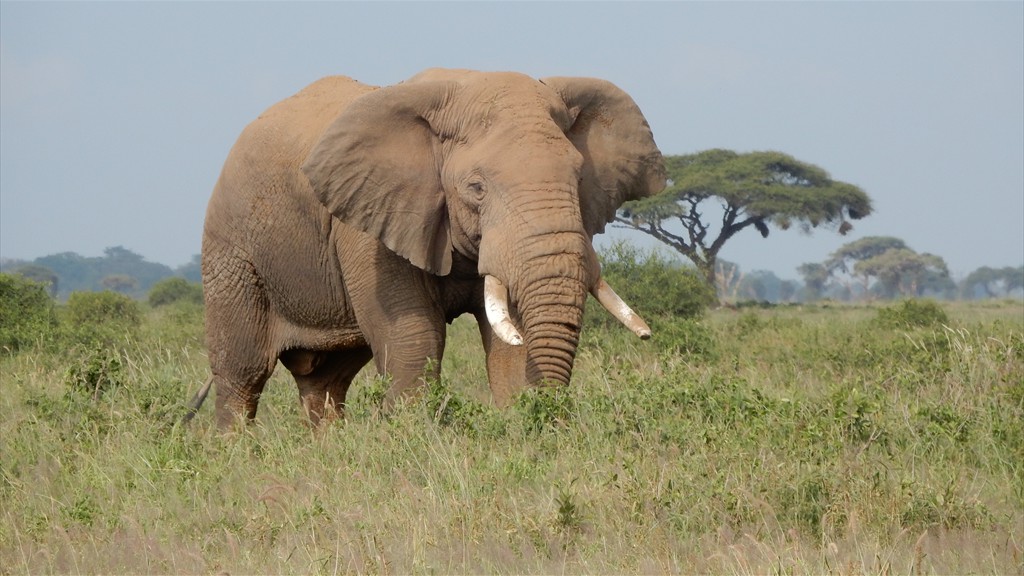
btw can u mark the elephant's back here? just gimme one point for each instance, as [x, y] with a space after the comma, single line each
[309, 111]
[262, 174]
[287, 131]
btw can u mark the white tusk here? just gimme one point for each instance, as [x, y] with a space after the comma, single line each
[622, 312]
[496, 306]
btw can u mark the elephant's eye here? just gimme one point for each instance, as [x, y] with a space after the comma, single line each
[475, 189]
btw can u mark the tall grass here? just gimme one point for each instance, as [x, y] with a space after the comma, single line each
[790, 440]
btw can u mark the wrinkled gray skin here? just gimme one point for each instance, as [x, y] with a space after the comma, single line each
[351, 223]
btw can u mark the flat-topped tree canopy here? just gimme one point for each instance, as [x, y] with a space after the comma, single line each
[754, 189]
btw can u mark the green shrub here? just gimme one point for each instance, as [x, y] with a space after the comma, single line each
[102, 308]
[26, 312]
[175, 289]
[912, 314]
[100, 317]
[653, 284]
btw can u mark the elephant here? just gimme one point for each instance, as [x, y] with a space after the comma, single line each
[352, 222]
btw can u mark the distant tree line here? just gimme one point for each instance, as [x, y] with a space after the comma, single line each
[118, 270]
[871, 268]
[874, 267]
[884, 267]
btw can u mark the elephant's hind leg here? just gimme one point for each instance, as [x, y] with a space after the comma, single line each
[324, 377]
[239, 383]
[236, 335]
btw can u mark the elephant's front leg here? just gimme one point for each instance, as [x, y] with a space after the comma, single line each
[398, 311]
[408, 349]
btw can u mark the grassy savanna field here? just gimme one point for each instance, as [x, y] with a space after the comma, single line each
[814, 439]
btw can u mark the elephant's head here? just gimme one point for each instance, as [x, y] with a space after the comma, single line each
[510, 172]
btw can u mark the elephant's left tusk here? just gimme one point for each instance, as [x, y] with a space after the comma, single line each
[622, 312]
[496, 306]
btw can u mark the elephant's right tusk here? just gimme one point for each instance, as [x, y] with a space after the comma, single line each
[622, 312]
[496, 306]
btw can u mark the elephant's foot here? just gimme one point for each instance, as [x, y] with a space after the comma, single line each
[235, 405]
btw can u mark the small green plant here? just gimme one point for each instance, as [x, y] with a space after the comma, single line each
[95, 373]
[84, 511]
[450, 408]
[858, 412]
[546, 407]
[912, 314]
[749, 324]
[568, 520]
[806, 501]
[367, 400]
[943, 421]
[175, 289]
[26, 312]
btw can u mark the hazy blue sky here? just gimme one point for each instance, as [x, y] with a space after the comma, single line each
[115, 118]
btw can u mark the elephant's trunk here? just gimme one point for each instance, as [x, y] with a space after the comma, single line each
[549, 291]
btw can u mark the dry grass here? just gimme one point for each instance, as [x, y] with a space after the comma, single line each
[791, 440]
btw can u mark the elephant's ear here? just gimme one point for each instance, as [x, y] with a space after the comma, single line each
[621, 162]
[377, 168]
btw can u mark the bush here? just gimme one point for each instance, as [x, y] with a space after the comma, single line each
[175, 289]
[26, 312]
[912, 314]
[96, 317]
[653, 284]
[103, 308]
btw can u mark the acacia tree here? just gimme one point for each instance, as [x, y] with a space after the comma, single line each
[842, 264]
[755, 190]
[887, 266]
[847, 255]
[815, 277]
[993, 282]
[122, 283]
[903, 271]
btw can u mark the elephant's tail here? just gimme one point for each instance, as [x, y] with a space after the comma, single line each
[197, 401]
